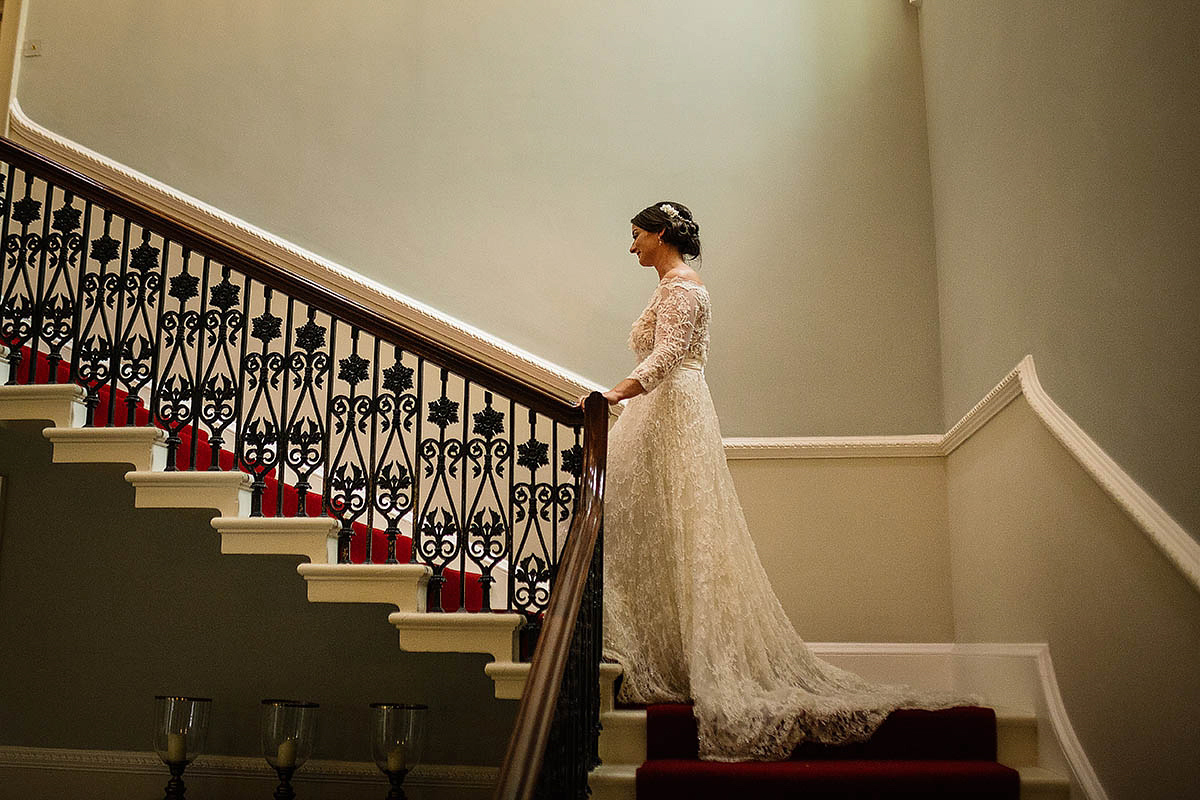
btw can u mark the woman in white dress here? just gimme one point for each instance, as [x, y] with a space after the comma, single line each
[688, 610]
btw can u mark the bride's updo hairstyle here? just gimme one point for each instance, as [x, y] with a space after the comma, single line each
[674, 221]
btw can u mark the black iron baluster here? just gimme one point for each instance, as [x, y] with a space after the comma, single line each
[281, 461]
[415, 528]
[41, 252]
[394, 409]
[156, 333]
[175, 397]
[347, 475]
[510, 552]
[488, 531]
[533, 572]
[325, 443]
[306, 446]
[439, 462]
[59, 302]
[77, 316]
[198, 383]
[258, 438]
[140, 288]
[220, 394]
[117, 287]
[462, 503]
[96, 346]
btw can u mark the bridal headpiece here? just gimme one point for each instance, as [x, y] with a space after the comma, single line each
[669, 210]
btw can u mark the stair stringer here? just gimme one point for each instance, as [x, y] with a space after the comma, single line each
[61, 409]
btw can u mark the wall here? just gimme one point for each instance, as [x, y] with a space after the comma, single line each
[856, 548]
[103, 606]
[485, 159]
[1066, 185]
[1039, 553]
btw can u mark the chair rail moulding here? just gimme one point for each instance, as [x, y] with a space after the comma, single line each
[459, 335]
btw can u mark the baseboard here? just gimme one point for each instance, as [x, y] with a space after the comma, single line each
[449, 777]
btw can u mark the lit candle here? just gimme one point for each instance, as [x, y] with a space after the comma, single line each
[176, 747]
[395, 759]
[286, 756]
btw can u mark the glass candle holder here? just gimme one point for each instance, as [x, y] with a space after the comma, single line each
[397, 740]
[180, 732]
[288, 730]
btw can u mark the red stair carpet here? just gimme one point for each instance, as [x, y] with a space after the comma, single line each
[226, 461]
[930, 755]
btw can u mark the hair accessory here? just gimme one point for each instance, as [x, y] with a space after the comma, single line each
[669, 210]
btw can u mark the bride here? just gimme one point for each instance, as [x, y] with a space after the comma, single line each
[688, 610]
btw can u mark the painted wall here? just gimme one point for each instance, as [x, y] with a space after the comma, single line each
[857, 549]
[103, 606]
[485, 158]
[1039, 553]
[1066, 182]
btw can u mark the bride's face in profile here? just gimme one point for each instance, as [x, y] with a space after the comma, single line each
[646, 246]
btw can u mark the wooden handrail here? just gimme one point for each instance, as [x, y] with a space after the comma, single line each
[526, 748]
[302, 289]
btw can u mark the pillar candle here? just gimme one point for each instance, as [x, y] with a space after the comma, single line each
[176, 747]
[286, 756]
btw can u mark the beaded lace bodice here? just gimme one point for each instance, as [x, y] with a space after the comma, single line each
[674, 327]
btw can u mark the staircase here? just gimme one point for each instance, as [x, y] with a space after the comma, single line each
[228, 494]
[669, 766]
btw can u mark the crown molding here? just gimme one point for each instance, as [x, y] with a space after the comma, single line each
[459, 335]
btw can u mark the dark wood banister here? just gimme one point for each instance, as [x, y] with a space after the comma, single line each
[523, 761]
[280, 279]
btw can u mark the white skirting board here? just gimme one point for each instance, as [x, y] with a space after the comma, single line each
[41, 771]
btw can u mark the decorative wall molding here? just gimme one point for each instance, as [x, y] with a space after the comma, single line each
[1167, 534]
[453, 776]
[919, 446]
[457, 334]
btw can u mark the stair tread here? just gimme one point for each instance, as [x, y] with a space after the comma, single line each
[1040, 775]
[363, 571]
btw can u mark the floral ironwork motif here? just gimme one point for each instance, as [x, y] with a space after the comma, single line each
[241, 375]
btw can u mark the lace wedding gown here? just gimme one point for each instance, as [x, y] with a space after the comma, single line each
[688, 610]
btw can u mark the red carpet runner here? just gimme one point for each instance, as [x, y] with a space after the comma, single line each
[226, 461]
[931, 755]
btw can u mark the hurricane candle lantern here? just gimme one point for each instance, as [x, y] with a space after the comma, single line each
[397, 740]
[288, 729]
[180, 730]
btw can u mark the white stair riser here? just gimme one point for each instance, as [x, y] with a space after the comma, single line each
[613, 782]
[405, 594]
[1041, 784]
[495, 634]
[1017, 741]
[623, 737]
[317, 547]
[59, 404]
[228, 493]
[142, 448]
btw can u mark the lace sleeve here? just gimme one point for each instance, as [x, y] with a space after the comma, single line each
[675, 320]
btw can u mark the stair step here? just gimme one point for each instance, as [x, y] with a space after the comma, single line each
[227, 492]
[509, 677]
[1016, 738]
[314, 537]
[609, 672]
[59, 403]
[623, 736]
[401, 585]
[613, 782]
[981, 780]
[1038, 783]
[963, 733]
[143, 448]
[459, 632]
